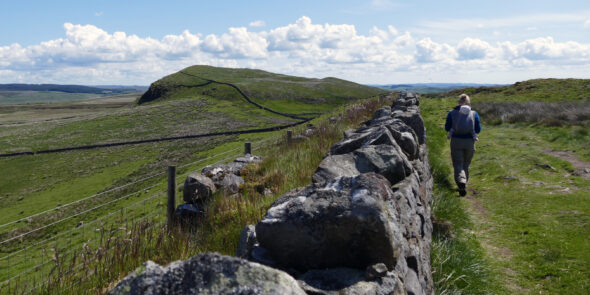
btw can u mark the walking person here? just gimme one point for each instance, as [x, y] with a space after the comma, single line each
[463, 126]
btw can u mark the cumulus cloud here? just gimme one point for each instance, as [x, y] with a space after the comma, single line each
[257, 24]
[430, 51]
[90, 55]
[471, 48]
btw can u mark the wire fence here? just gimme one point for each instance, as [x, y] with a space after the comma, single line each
[34, 261]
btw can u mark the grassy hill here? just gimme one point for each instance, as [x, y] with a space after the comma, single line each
[523, 227]
[279, 92]
[546, 90]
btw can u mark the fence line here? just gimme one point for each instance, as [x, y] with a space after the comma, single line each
[111, 190]
[258, 145]
[83, 225]
[64, 254]
[77, 214]
[80, 200]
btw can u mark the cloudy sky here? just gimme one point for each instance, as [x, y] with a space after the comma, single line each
[132, 42]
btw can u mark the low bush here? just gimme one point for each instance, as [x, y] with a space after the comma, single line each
[536, 112]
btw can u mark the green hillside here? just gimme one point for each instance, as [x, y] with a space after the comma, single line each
[547, 90]
[280, 92]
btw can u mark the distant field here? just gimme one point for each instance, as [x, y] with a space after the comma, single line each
[63, 110]
[31, 97]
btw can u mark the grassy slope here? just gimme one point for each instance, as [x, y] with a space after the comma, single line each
[43, 182]
[285, 167]
[280, 92]
[531, 221]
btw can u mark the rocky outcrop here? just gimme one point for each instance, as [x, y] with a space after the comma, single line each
[362, 227]
[208, 274]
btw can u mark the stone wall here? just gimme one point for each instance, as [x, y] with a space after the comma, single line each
[362, 227]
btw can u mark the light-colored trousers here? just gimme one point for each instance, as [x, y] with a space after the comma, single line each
[462, 150]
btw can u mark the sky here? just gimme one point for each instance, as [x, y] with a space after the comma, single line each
[131, 42]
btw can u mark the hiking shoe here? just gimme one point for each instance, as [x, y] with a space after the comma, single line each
[462, 191]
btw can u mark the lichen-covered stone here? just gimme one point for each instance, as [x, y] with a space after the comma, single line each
[208, 274]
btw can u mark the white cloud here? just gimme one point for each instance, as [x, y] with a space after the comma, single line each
[100, 13]
[587, 23]
[430, 51]
[392, 30]
[257, 24]
[471, 48]
[90, 55]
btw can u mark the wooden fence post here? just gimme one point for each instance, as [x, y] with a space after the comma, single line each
[289, 136]
[171, 194]
[247, 148]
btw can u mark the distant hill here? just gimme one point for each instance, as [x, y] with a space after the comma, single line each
[427, 88]
[16, 94]
[71, 88]
[276, 91]
[548, 90]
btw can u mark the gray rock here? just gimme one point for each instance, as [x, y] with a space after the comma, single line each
[197, 188]
[348, 281]
[387, 160]
[220, 170]
[347, 223]
[247, 242]
[374, 271]
[335, 166]
[382, 112]
[363, 137]
[413, 119]
[208, 274]
[249, 159]
[231, 183]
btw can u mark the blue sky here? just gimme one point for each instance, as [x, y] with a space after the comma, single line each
[378, 41]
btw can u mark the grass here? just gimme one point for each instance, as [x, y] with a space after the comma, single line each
[458, 260]
[285, 167]
[527, 211]
[44, 183]
[545, 90]
[261, 86]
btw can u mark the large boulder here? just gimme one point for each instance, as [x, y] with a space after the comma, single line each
[387, 160]
[208, 274]
[197, 188]
[372, 135]
[347, 223]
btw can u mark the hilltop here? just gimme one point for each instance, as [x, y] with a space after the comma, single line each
[277, 91]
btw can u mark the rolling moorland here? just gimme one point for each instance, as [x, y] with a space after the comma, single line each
[520, 230]
[11, 94]
[54, 203]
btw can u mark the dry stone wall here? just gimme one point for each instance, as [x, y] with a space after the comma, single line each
[362, 227]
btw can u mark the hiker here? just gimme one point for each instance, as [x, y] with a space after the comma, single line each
[463, 126]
